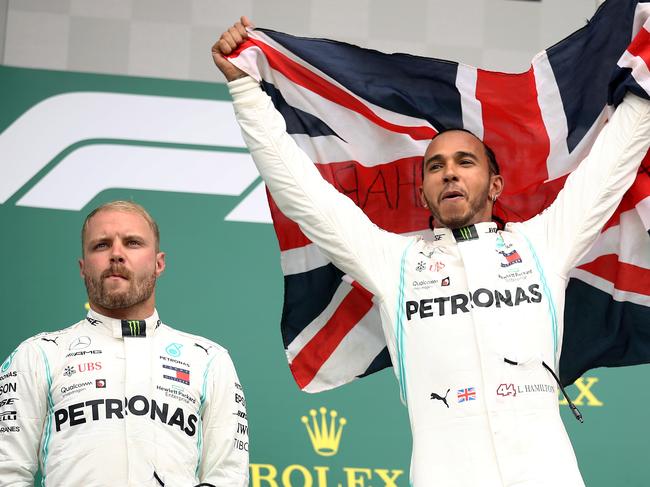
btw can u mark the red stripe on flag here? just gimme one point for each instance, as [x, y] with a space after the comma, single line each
[287, 231]
[625, 277]
[641, 46]
[315, 353]
[387, 193]
[513, 127]
[311, 81]
[529, 202]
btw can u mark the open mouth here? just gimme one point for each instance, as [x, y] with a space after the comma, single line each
[452, 195]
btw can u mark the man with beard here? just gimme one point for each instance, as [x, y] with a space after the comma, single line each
[473, 309]
[120, 398]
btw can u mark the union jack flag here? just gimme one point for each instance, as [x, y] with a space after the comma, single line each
[366, 117]
[466, 394]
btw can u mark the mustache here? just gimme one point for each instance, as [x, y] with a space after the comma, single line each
[117, 270]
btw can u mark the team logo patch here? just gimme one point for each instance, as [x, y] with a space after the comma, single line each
[180, 375]
[7, 363]
[174, 349]
[134, 328]
[466, 394]
[465, 233]
[510, 258]
[80, 343]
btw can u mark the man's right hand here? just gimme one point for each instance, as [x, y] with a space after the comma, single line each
[227, 43]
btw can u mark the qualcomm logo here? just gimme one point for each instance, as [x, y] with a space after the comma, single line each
[71, 147]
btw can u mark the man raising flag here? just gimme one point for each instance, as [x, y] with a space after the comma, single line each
[476, 307]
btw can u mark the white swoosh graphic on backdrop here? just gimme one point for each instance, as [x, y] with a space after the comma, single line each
[86, 172]
[54, 124]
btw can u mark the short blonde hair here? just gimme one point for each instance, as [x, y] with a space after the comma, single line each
[127, 207]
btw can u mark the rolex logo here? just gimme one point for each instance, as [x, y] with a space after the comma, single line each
[325, 435]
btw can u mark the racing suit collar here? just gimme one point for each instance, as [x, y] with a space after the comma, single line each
[123, 328]
[470, 232]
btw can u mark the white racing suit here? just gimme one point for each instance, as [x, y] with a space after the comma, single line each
[115, 403]
[470, 316]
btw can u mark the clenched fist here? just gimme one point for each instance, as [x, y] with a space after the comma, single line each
[229, 41]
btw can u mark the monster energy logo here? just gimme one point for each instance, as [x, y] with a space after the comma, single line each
[134, 328]
[465, 233]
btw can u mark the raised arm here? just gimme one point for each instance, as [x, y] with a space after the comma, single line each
[328, 218]
[593, 191]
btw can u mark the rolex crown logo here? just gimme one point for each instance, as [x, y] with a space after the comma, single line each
[325, 435]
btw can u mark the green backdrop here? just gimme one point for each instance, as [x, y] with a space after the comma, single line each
[223, 281]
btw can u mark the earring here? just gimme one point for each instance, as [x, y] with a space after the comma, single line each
[494, 198]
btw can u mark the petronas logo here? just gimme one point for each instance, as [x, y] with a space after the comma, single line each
[324, 432]
[7, 363]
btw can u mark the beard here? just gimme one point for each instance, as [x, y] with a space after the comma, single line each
[456, 219]
[140, 289]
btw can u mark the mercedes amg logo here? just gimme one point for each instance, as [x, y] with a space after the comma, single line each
[80, 343]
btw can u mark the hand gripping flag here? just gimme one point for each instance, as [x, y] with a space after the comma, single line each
[365, 118]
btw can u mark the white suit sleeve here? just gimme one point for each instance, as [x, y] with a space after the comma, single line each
[593, 191]
[23, 408]
[328, 218]
[224, 460]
